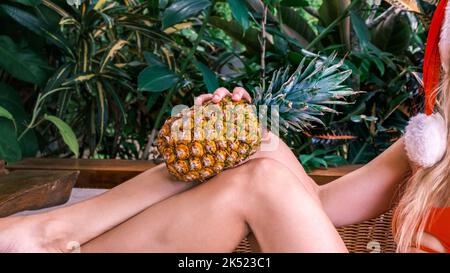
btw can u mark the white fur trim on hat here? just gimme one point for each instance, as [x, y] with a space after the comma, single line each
[426, 139]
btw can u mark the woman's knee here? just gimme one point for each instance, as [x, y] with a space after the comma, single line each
[264, 178]
[283, 154]
[268, 175]
[269, 184]
[254, 174]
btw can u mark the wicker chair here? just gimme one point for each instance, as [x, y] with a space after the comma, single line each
[374, 235]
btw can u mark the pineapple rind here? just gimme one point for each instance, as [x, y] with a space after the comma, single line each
[211, 147]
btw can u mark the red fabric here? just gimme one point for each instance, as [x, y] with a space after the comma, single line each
[438, 225]
[432, 62]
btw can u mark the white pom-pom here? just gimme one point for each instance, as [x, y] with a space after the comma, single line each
[426, 139]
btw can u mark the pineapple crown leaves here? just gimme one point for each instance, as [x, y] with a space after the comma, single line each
[303, 96]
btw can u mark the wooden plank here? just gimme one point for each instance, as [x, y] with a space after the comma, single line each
[103, 174]
[112, 165]
[108, 173]
[324, 176]
[31, 189]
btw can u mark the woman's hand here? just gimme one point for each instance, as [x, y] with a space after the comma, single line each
[238, 94]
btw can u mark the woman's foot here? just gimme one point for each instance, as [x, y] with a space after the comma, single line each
[34, 233]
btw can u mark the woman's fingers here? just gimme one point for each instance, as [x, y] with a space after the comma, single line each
[219, 94]
[239, 93]
[200, 100]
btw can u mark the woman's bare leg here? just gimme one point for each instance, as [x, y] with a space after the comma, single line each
[264, 196]
[358, 196]
[110, 209]
[86, 220]
[115, 206]
[274, 148]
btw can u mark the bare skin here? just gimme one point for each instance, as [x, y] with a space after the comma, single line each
[109, 209]
[219, 219]
[152, 212]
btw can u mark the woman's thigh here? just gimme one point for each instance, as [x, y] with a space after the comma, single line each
[215, 216]
[205, 218]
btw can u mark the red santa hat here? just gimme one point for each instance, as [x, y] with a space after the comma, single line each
[426, 134]
[438, 39]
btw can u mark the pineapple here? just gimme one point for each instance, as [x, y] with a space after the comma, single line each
[202, 141]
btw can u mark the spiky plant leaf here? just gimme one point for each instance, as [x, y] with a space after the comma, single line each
[302, 96]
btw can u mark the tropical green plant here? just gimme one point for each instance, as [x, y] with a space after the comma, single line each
[95, 69]
[16, 129]
[379, 45]
[120, 66]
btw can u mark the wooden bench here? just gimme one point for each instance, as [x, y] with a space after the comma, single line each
[370, 236]
[108, 173]
[100, 174]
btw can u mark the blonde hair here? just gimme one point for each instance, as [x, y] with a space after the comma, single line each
[425, 189]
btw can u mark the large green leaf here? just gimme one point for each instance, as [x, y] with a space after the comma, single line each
[21, 62]
[37, 26]
[156, 79]
[29, 2]
[363, 34]
[393, 34]
[9, 147]
[360, 28]
[248, 38]
[297, 23]
[329, 11]
[294, 3]
[66, 132]
[6, 114]
[240, 12]
[24, 18]
[10, 100]
[152, 59]
[209, 77]
[181, 10]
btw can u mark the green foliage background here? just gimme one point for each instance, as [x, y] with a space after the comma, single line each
[98, 80]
